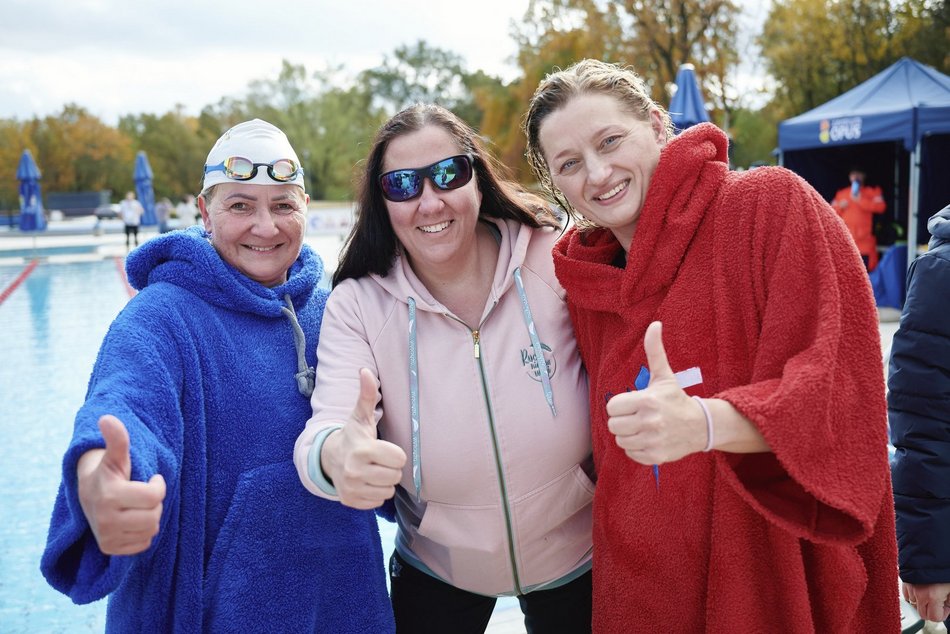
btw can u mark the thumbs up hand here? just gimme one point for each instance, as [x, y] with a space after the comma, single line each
[659, 423]
[364, 469]
[124, 514]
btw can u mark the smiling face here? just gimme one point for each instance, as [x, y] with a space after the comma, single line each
[602, 158]
[436, 229]
[257, 229]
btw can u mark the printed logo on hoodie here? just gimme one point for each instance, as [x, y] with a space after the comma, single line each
[530, 362]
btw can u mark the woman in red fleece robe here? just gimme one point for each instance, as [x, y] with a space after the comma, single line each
[743, 481]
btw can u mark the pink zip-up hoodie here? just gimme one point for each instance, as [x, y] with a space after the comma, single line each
[496, 495]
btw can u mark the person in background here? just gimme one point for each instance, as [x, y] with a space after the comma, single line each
[186, 210]
[131, 212]
[918, 401]
[857, 204]
[449, 377]
[736, 379]
[163, 211]
[179, 500]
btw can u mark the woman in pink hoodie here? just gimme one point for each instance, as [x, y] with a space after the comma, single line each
[471, 409]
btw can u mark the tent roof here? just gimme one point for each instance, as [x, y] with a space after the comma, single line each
[903, 102]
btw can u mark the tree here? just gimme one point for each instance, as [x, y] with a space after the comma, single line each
[417, 73]
[175, 147]
[655, 38]
[818, 49]
[14, 138]
[78, 152]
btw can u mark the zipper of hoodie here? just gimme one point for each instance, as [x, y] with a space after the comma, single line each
[506, 507]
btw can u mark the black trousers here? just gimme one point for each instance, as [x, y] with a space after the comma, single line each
[423, 604]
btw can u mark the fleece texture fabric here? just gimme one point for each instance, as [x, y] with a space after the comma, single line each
[200, 367]
[918, 401]
[759, 285]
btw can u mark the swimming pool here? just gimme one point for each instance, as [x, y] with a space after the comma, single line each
[51, 325]
[50, 329]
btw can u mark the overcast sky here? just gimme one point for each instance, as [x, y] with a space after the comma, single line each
[120, 57]
[127, 57]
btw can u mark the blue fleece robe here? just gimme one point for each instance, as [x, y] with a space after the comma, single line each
[200, 367]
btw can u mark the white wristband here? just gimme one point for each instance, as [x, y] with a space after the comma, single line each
[709, 425]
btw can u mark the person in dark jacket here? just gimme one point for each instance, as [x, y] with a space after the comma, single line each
[919, 412]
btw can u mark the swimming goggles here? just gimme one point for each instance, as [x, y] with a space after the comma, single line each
[243, 169]
[406, 184]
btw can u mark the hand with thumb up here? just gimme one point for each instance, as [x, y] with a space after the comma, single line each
[124, 514]
[364, 469]
[659, 423]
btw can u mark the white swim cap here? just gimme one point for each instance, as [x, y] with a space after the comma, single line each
[258, 142]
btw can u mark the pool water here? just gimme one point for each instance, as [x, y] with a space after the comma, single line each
[51, 327]
[50, 330]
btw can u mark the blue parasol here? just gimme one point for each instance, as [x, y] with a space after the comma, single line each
[32, 217]
[687, 107]
[143, 188]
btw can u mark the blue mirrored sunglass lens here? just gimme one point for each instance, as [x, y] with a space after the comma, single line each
[401, 185]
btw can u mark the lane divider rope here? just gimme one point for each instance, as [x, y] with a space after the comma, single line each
[19, 280]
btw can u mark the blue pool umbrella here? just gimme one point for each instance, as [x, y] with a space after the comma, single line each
[32, 217]
[143, 188]
[687, 107]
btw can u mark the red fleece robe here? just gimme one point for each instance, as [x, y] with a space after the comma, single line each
[759, 285]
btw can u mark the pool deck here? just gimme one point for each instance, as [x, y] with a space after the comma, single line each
[80, 238]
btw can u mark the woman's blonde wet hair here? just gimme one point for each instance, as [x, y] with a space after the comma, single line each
[589, 76]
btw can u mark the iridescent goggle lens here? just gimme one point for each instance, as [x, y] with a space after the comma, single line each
[406, 184]
[243, 169]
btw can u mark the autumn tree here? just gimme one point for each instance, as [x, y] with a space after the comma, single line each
[654, 38]
[14, 138]
[76, 151]
[818, 49]
[175, 148]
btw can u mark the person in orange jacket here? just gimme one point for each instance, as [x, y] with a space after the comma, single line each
[855, 204]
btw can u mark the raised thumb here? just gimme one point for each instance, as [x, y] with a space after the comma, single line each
[116, 457]
[365, 410]
[657, 362]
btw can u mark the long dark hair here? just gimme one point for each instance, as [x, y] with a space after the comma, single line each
[372, 244]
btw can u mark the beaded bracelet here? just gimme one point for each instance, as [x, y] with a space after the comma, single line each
[709, 425]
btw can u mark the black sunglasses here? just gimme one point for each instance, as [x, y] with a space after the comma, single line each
[406, 184]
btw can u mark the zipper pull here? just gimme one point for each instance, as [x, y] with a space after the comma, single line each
[475, 338]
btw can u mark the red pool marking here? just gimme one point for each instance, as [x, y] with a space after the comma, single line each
[19, 280]
[120, 269]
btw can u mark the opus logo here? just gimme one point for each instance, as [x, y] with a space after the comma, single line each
[845, 129]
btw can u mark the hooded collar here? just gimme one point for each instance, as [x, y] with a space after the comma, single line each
[186, 259]
[686, 180]
[939, 228]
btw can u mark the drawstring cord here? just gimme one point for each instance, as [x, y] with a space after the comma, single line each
[543, 372]
[306, 375]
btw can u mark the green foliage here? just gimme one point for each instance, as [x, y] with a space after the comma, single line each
[813, 49]
[818, 49]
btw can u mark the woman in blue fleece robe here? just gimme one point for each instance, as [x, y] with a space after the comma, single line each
[210, 370]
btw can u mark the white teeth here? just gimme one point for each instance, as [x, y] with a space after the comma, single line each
[261, 249]
[613, 192]
[435, 228]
